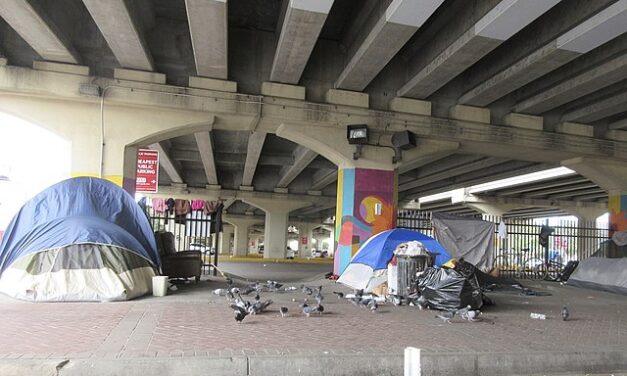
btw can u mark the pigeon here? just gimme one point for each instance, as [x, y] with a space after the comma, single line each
[284, 311]
[291, 288]
[257, 297]
[446, 316]
[230, 296]
[248, 289]
[396, 300]
[220, 292]
[306, 290]
[274, 285]
[307, 309]
[259, 306]
[340, 295]
[565, 313]
[319, 309]
[372, 305]
[469, 314]
[240, 312]
[422, 303]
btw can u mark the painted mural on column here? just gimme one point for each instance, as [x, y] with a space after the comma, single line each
[617, 205]
[366, 205]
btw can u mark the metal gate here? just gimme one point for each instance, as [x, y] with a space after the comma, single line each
[571, 240]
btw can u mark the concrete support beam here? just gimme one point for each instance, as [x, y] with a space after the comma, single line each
[300, 28]
[613, 105]
[464, 168]
[38, 31]
[607, 174]
[168, 165]
[255, 145]
[395, 26]
[347, 98]
[535, 123]
[470, 113]
[302, 158]
[322, 178]
[616, 135]
[425, 152]
[208, 28]
[205, 148]
[50, 66]
[499, 24]
[212, 84]
[589, 81]
[283, 91]
[137, 75]
[121, 31]
[516, 203]
[575, 129]
[617, 125]
[410, 106]
[595, 31]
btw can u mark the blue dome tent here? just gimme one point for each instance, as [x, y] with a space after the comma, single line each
[368, 267]
[83, 239]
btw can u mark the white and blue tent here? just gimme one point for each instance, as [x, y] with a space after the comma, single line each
[83, 239]
[368, 267]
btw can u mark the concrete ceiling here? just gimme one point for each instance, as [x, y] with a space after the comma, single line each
[562, 60]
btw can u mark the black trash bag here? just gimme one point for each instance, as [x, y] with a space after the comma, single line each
[449, 290]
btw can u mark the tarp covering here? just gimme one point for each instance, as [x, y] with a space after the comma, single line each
[84, 239]
[467, 238]
[605, 270]
[368, 267]
[74, 211]
[601, 274]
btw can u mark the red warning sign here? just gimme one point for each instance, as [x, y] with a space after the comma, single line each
[147, 171]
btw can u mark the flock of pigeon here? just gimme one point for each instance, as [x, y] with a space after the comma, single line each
[242, 307]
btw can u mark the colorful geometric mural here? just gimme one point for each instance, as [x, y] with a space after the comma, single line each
[366, 205]
[617, 205]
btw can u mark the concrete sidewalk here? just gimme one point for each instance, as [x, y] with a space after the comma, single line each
[192, 332]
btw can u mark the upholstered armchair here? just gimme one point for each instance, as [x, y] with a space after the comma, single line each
[182, 264]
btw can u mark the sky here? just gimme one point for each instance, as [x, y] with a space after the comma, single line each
[32, 158]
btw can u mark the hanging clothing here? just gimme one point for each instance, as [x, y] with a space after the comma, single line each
[502, 230]
[170, 205]
[210, 207]
[158, 205]
[545, 231]
[181, 209]
[198, 204]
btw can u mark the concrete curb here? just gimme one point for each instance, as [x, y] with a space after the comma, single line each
[488, 364]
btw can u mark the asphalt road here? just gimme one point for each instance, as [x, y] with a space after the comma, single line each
[275, 271]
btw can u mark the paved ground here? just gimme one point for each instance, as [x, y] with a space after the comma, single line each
[276, 271]
[194, 324]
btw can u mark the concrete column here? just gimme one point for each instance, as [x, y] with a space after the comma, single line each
[277, 214]
[305, 231]
[366, 205]
[275, 234]
[225, 240]
[241, 227]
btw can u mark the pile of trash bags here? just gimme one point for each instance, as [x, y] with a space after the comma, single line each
[449, 289]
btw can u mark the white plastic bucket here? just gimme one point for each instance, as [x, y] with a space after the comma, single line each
[160, 285]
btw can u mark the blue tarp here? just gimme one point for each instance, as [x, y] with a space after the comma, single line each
[76, 211]
[377, 251]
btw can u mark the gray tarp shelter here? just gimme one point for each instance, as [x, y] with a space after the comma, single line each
[605, 270]
[468, 238]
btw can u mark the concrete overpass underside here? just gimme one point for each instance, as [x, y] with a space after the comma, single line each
[249, 100]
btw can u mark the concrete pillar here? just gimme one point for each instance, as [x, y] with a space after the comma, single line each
[366, 205]
[305, 239]
[617, 205]
[275, 234]
[224, 247]
[277, 214]
[241, 227]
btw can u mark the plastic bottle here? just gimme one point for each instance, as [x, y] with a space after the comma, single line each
[537, 316]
